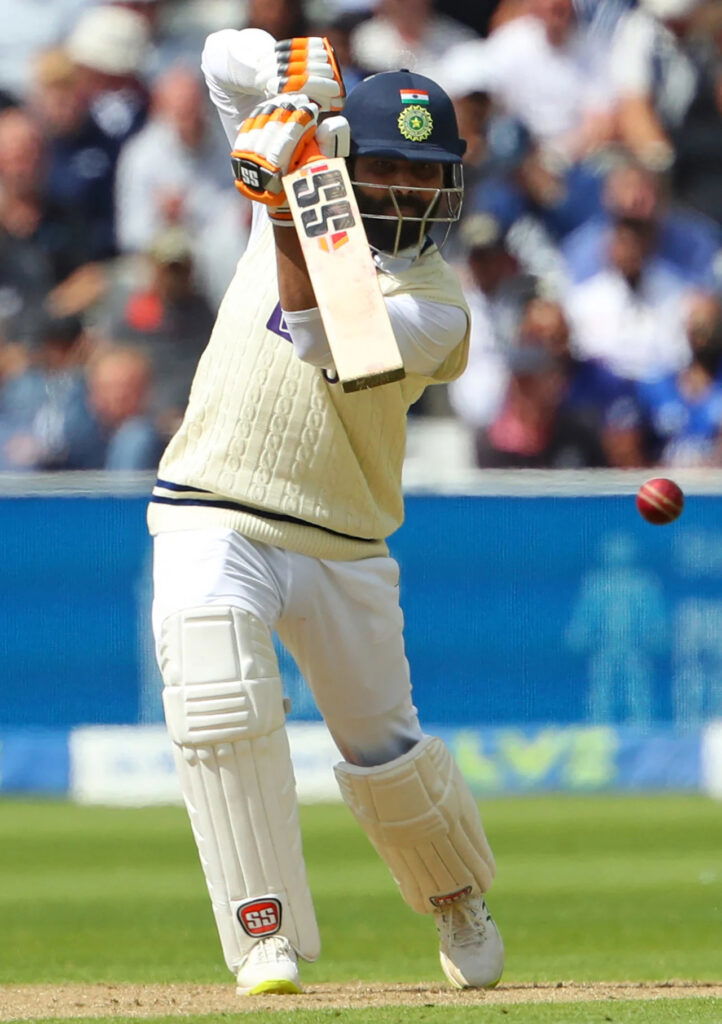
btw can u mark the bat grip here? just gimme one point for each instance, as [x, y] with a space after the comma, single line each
[308, 154]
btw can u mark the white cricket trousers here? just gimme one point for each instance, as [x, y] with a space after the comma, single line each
[341, 621]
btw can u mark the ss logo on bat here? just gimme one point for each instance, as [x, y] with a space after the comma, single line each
[334, 213]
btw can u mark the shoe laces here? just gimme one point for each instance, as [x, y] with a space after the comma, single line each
[465, 923]
[271, 950]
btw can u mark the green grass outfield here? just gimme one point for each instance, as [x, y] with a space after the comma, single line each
[683, 1011]
[589, 889]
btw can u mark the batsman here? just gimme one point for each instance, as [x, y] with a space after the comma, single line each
[271, 512]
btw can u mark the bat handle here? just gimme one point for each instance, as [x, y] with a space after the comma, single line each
[308, 154]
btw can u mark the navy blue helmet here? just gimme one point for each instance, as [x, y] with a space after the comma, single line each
[401, 114]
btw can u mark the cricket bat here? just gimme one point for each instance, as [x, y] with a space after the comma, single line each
[342, 273]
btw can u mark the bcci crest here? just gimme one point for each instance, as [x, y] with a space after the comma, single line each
[415, 123]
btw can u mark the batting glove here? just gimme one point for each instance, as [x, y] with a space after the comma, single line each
[303, 65]
[275, 132]
[272, 141]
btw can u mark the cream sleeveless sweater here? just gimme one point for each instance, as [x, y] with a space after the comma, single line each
[269, 448]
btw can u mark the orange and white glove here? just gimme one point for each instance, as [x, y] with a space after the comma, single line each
[303, 65]
[271, 142]
[269, 139]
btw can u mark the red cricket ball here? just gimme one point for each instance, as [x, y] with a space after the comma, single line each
[660, 501]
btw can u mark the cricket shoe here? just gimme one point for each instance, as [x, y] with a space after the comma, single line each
[471, 953]
[270, 968]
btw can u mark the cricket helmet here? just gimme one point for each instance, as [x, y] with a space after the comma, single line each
[404, 116]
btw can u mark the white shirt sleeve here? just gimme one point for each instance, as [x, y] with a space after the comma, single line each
[425, 331]
[477, 395]
[229, 64]
[309, 337]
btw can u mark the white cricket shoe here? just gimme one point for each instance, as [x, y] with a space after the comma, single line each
[271, 968]
[471, 953]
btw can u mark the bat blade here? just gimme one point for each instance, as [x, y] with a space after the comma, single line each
[343, 275]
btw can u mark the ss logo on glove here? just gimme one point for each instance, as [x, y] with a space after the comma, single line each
[248, 174]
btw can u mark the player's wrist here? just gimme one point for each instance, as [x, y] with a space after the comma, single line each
[280, 217]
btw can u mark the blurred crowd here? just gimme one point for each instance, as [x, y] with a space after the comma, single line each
[590, 246]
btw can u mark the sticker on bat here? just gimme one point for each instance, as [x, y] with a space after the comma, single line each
[330, 243]
[331, 217]
[307, 190]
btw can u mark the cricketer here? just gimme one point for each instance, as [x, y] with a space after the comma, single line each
[271, 513]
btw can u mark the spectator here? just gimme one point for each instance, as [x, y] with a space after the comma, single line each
[14, 360]
[110, 46]
[338, 30]
[688, 242]
[284, 19]
[359, 8]
[29, 27]
[602, 19]
[630, 313]
[697, 140]
[44, 420]
[477, 15]
[496, 292]
[6, 100]
[565, 107]
[595, 26]
[176, 171]
[544, 126]
[654, 77]
[406, 34]
[171, 321]
[119, 391]
[474, 117]
[44, 247]
[80, 158]
[558, 412]
[62, 414]
[176, 29]
[149, 10]
[683, 411]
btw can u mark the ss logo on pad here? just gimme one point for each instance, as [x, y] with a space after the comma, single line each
[260, 917]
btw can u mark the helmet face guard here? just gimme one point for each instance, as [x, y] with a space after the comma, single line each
[405, 116]
[397, 231]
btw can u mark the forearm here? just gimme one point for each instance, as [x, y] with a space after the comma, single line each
[295, 290]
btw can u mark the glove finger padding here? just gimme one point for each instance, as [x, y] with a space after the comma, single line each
[269, 142]
[304, 65]
[333, 137]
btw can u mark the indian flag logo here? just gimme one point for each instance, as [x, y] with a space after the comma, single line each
[413, 96]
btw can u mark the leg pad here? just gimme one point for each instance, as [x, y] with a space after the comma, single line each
[422, 819]
[224, 708]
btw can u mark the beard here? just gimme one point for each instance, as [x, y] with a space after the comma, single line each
[386, 235]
